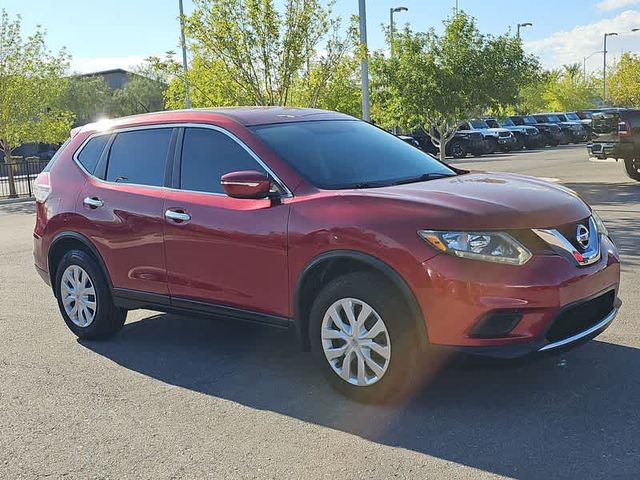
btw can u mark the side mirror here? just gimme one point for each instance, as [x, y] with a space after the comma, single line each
[246, 184]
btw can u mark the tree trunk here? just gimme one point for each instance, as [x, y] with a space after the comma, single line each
[443, 150]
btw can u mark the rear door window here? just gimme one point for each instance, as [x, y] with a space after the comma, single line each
[139, 157]
[90, 153]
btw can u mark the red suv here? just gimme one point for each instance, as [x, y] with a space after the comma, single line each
[370, 249]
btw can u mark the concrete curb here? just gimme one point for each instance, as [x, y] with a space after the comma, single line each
[9, 201]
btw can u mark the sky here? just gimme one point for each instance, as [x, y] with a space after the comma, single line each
[104, 34]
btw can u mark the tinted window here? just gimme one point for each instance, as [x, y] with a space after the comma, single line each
[207, 155]
[90, 153]
[347, 153]
[478, 123]
[139, 157]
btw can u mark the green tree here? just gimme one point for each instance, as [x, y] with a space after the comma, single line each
[247, 52]
[143, 93]
[435, 81]
[623, 83]
[89, 98]
[559, 90]
[31, 86]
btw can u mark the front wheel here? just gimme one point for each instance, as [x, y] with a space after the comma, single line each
[632, 167]
[363, 338]
[84, 297]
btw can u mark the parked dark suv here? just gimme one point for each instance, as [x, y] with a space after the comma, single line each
[616, 133]
[551, 133]
[367, 248]
[525, 136]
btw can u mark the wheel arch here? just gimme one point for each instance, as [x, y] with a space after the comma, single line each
[67, 240]
[330, 265]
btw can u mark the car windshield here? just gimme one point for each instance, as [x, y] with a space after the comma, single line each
[493, 123]
[553, 118]
[563, 118]
[572, 116]
[478, 123]
[509, 123]
[335, 154]
[529, 120]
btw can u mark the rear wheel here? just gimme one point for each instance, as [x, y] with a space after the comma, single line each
[632, 167]
[363, 338]
[84, 297]
[458, 149]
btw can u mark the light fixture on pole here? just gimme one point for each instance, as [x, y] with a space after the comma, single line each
[604, 69]
[520, 25]
[187, 101]
[391, 12]
[584, 63]
[364, 63]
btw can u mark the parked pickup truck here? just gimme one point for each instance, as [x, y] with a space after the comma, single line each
[495, 138]
[525, 136]
[616, 133]
[551, 133]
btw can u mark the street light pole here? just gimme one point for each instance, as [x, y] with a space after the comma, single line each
[584, 63]
[391, 26]
[604, 69]
[187, 101]
[526, 24]
[364, 63]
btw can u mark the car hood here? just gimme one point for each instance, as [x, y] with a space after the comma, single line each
[487, 201]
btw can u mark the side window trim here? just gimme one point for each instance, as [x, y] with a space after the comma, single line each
[174, 158]
[169, 161]
[177, 160]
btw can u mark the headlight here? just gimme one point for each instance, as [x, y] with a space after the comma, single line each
[602, 229]
[495, 247]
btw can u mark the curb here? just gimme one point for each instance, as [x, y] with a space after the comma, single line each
[10, 201]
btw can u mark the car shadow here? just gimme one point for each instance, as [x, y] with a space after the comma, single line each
[575, 415]
[28, 207]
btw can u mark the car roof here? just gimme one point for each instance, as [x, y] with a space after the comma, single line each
[247, 116]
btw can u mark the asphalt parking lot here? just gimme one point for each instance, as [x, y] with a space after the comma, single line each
[175, 397]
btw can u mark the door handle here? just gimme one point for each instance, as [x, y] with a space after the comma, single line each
[92, 202]
[177, 215]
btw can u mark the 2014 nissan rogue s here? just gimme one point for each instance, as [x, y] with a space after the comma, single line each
[370, 249]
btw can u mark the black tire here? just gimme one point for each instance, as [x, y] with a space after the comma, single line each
[458, 149]
[632, 167]
[108, 318]
[397, 383]
[520, 143]
[492, 145]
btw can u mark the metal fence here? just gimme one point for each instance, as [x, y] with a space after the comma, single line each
[17, 177]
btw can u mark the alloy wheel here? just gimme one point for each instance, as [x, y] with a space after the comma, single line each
[356, 342]
[78, 296]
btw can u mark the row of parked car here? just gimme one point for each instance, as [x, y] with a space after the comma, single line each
[480, 136]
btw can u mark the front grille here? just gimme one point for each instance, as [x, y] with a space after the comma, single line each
[505, 134]
[568, 230]
[580, 317]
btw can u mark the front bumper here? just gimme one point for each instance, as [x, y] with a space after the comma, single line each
[461, 292]
[604, 150]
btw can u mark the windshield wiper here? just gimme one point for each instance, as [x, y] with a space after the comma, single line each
[422, 178]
